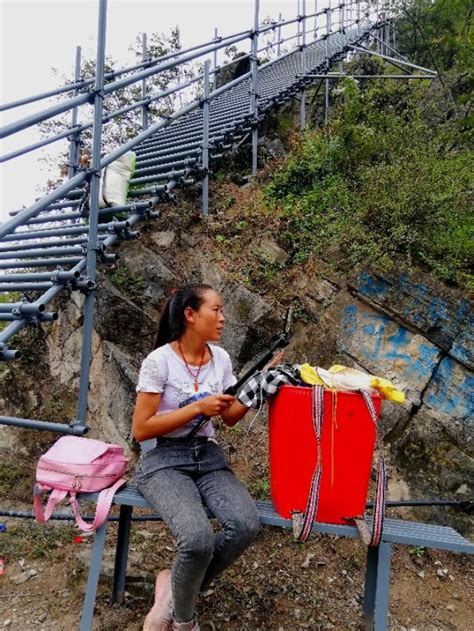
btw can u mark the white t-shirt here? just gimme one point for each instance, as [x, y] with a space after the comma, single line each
[164, 372]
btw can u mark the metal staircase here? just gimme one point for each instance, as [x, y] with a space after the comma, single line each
[55, 244]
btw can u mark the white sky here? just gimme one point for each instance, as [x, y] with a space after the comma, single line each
[37, 36]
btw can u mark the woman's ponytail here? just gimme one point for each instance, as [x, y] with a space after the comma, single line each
[164, 328]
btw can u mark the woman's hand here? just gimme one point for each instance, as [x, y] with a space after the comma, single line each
[275, 361]
[215, 404]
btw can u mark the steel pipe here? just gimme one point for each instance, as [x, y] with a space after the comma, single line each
[16, 247]
[4, 256]
[145, 107]
[303, 65]
[44, 95]
[25, 307]
[205, 141]
[55, 232]
[41, 143]
[91, 260]
[74, 147]
[21, 287]
[70, 260]
[215, 68]
[58, 206]
[392, 60]
[77, 215]
[7, 354]
[254, 89]
[371, 76]
[326, 96]
[74, 429]
[50, 112]
[32, 211]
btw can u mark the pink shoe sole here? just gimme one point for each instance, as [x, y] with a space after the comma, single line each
[159, 617]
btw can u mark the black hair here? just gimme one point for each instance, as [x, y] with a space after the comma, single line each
[172, 321]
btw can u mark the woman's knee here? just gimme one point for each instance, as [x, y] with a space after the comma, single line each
[198, 544]
[253, 527]
[246, 527]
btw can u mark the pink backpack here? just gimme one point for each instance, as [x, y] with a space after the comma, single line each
[79, 465]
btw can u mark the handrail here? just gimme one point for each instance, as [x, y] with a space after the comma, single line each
[39, 97]
[178, 58]
[110, 75]
[60, 108]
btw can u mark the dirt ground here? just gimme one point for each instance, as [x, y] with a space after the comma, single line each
[278, 584]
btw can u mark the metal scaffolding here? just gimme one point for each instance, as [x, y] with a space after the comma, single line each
[172, 152]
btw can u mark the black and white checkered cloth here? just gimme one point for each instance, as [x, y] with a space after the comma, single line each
[265, 384]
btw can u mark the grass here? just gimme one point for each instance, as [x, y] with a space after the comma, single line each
[12, 476]
[36, 541]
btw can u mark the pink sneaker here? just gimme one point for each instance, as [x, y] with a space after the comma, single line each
[186, 626]
[160, 616]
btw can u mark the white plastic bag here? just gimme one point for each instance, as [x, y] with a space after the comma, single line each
[114, 181]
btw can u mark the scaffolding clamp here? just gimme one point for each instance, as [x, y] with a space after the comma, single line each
[93, 93]
[83, 284]
[202, 172]
[79, 427]
[74, 135]
[6, 354]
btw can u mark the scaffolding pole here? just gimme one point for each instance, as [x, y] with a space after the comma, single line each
[75, 142]
[205, 141]
[303, 64]
[326, 94]
[92, 243]
[145, 105]
[254, 90]
[279, 35]
[214, 77]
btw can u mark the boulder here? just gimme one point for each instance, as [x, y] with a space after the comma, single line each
[272, 253]
[163, 239]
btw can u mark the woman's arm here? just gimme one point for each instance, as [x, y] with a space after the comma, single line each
[235, 412]
[147, 424]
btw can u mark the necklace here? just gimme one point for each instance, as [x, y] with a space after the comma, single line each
[193, 375]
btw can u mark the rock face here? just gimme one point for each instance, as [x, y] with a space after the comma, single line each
[414, 332]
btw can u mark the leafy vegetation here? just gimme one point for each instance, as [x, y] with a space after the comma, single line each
[437, 32]
[260, 489]
[132, 285]
[37, 541]
[389, 179]
[13, 476]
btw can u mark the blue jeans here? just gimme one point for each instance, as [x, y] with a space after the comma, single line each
[177, 477]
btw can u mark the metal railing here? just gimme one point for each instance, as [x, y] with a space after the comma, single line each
[60, 231]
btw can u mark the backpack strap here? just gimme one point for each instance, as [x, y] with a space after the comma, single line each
[104, 502]
[56, 496]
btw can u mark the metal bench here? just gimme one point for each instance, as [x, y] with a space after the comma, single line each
[377, 575]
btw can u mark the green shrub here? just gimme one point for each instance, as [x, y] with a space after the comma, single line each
[378, 186]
